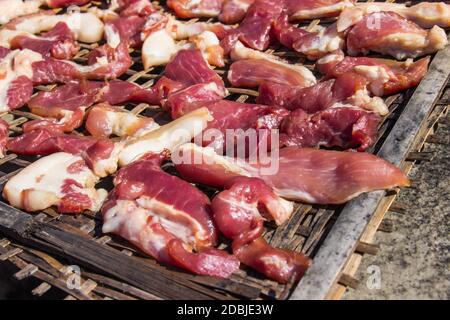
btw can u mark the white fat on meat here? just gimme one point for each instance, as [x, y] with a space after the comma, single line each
[86, 26]
[320, 11]
[37, 187]
[161, 44]
[168, 137]
[121, 123]
[205, 41]
[362, 99]
[192, 153]
[15, 64]
[104, 167]
[174, 221]
[130, 221]
[158, 49]
[85, 69]
[279, 262]
[241, 52]
[7, 35]
[413, 45]
[192, 6]
[377, 75]
[326, 40]
[112, 36]
[11, 9]
[332, 57]
[425, 14]
[181, 30]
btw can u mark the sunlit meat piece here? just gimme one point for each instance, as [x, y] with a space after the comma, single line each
[65, 105]
[240, 210]
[313, 9]
[16, 71]
[267, 20]
[390, 33]
[85, 26]
[58, 42]
[132, 7]
[44, 142]
[189, 78]
[301, 174]
[231, 123]
[166, 218]
[103, 157]
[162, 33]
[37, 187]
[255, 31]
[192, 97]
[277, 264]
[195, 8]
[168, 137]
[234, 11]
[104, 63]
[15, 8]
[350, 88]
[208, 261]
[313, 44]
[238, 51]
[126, 28]
[384, 76]
[65, 3]
[252, 73]
[188, 67]
[104, 120]
[342, 126]
[100, 155]
[4, 133]
[425, 14]
[108, 61]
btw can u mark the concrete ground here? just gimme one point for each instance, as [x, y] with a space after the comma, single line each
[414, 260]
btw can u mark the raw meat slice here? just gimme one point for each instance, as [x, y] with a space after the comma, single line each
[37, 187]
[301, 174]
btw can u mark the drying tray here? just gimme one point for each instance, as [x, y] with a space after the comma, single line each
[51, 247]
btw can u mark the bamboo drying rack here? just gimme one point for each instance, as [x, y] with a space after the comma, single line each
[44, 246]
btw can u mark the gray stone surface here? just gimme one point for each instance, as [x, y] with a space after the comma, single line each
[414, 260]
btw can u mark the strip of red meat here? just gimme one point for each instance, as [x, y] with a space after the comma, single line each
[339, 126]
[234, 11]
[389, 33]
[239, 212]
[165, 217]
[188, 77]
[301, 174]
[251, 73]
[385, 77]
[58, 43]
[66, 105]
